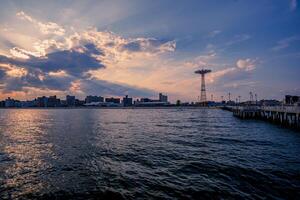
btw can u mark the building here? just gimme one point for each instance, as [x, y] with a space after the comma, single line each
[2, 104]
[70, 100]
[127, 101]
[163, 98]
[9, 102]
[292, 100]
[79, 102]
[90, 99]
[42, 101]
[146, 102]
[112, 100]
[53, 102]
[26, 104]
[271, 102]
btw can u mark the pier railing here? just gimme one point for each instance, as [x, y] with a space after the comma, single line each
[286, 109]
[285, 115]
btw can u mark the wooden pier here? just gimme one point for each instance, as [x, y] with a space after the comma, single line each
[287, 116]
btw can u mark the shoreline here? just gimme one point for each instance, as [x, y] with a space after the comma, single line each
[126, 108]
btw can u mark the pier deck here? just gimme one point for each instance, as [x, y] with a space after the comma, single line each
[288, 116]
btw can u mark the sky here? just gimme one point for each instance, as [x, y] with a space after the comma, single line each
[140, 48]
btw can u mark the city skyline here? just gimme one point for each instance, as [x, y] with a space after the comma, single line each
[138, 48]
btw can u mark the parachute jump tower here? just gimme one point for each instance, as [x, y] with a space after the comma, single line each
[202, 72]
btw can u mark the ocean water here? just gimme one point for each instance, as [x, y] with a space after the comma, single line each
[145, 154]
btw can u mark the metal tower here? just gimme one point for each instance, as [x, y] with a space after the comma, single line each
[203, 90]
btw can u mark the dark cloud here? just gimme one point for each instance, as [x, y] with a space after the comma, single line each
[71, 61]
[31, 79]
[2, 73]
[144, 45]
[75, 62]
[90, 48]
[133, 46]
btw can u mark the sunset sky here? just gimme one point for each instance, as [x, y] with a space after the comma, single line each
[141, 48]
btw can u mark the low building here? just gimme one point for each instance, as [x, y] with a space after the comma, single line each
[271, 102]
[70, 100]
[2, 104]
[292, 100]
[79, 102]
[127, 101]
[42, 101]
[9, 103]
[113, 100]
[163, 98]
[27, 104]
[53, 102]
[90, 99]
[161, 101]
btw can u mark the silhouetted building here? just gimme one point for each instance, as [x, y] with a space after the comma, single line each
[127, 101]
[90, 99]
[146, 100]
[18, 103]
[163, 98]
[2, 104]
[161, 101]
[112, 100]
[291, 100]
[79, 102]
[42, 101]
[53, 102]
[70, 100]
[269, 103]
[63, 103]
[9, 102]
[26, 104]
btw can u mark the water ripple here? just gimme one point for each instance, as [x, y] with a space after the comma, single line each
[144, 154]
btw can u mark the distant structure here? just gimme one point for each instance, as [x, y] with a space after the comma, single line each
[146, 102]
[91, 99]
[163, 98]
[127, 101]
[113, 100]
[292, 100]
[70, 100]
[203, 90]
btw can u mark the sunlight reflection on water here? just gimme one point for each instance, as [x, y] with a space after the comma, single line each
[144, 153]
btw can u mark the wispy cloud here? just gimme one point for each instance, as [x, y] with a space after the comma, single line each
[214, 33]
[293, 4]
[247, 64]
[285, 43]
[238, 38]
[45, 28]
[242, 69]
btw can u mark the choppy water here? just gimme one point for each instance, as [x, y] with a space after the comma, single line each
[145, 154]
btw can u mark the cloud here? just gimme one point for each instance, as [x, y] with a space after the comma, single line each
[65, 61]
[72, 61]
[45, 28]
[238, 38]
[293, 4]
[242, 71]
[246, 64]
[285, 43]
[151, 45]
[59, 73]
[214, 33]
